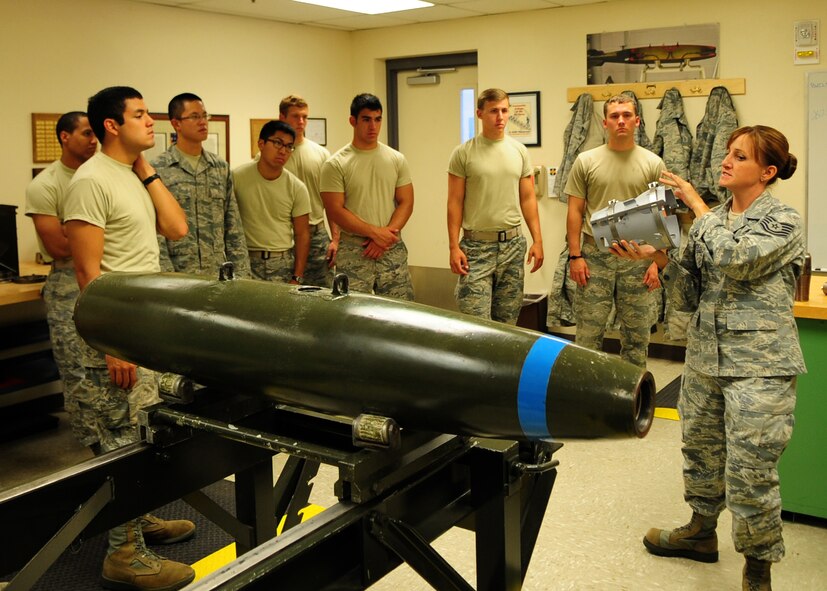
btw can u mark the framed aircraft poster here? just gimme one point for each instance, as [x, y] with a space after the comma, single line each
[653, 55]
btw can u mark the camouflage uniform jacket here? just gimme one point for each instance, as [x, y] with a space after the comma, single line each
[711, 137]
[583, 132]
[739, 283]
[673, 141]
[215, 232]
[562, 296]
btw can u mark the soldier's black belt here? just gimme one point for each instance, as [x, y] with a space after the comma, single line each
[493, 236]
[270, 254]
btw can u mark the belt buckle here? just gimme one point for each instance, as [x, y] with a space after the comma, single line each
[502, 235]
[265, 255]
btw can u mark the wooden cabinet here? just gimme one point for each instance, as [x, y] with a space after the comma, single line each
[30, 384]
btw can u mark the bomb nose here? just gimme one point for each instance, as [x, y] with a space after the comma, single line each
[644, 396]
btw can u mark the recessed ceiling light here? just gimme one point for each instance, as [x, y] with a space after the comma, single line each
[370, 6]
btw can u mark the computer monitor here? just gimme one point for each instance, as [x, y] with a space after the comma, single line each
[9, 260]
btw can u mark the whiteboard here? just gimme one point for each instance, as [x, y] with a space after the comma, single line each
[817, 169]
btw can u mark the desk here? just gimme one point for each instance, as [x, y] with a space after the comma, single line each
[816, 307]
[18, 293]
[804, 463]
[26, 366]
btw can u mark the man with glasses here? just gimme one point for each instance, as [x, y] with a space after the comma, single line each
[367, 190]
[275, 208]
[306, 163]
[203, 184]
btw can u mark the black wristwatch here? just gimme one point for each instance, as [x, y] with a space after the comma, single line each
[576, 256]
[150, 179]
[298, 279]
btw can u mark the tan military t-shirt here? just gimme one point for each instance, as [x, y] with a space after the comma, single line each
[600, 175]
[45, 193]
[108, 194]
[306, 163]
[267, 208]
[492, 170]
[369, 179]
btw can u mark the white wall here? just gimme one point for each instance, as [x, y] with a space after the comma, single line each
[57, 53]
[545, 51]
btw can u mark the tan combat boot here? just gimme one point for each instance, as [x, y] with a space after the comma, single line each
[757, 575]
[160, 531]
[133, 567]
[696, 540]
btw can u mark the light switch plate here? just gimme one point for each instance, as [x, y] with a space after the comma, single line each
[806, 42]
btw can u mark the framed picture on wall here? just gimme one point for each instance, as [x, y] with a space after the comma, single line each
[217, 142]
[255, 130]
[524, 117]
[687, 52]
[316, 130]
[45, 146]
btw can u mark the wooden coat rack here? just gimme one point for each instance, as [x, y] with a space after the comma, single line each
[645, 90]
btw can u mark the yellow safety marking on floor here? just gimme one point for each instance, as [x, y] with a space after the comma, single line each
[667, 413]
[226, 555]
[214, 561]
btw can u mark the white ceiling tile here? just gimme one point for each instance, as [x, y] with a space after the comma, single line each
[501, 7]
[440, 13]
[289, 11]
[358, 22]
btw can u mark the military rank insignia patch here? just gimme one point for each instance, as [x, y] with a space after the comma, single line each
[773, 226]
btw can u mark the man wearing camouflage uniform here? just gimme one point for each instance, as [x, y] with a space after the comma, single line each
[275, 208]
[113, 206]
[617, 170]
[489, 184]
[202, 184]
[306, 163]
[43, 204]
[367, 190]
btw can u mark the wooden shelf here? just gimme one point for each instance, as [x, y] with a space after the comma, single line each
[644, 90]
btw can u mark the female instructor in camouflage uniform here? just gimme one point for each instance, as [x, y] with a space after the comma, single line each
[737, 276]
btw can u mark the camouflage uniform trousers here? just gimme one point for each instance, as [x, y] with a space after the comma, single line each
[386, 276]
[493, 288]
[59, 293]
[110, 413]
[614, 280]
[317, 272]
[279, 267]
[734, 432]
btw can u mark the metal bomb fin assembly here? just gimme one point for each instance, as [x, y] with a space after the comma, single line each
[649, 218]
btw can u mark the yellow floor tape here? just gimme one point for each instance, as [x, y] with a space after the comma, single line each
[226, 555]
[667, 413]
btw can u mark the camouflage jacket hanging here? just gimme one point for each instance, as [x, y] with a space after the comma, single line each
[673, 140]
[584, 131]
[709, 149]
